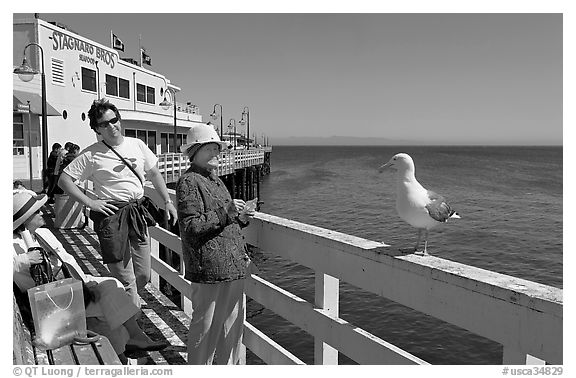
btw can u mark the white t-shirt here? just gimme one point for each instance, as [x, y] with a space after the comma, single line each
[111, 177]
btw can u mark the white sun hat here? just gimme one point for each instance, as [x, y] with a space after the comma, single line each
[199, 135]
[25, 204]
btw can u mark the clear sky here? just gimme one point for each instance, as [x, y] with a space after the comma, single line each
[448, 78]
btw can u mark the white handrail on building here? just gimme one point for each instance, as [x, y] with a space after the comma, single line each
[525, 317]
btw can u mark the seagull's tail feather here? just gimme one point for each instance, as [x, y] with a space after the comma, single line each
[454, 215]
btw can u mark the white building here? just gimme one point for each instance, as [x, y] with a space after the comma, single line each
[78, 71]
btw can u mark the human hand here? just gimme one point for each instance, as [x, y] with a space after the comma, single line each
[103, 206]
[235, 207]
[248, 210]
[171, 212]
[35, 256]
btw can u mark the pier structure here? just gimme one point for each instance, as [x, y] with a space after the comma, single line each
[241, 170]
[523, 316]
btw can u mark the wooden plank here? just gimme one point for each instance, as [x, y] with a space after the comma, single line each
[267, 349]
[171, 275]
[326, 297]
[63, 356]
[354, 342]
[522, 314]
[85, 354]
[107, 354]
[166, 238]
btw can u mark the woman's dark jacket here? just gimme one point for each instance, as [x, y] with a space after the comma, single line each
[212, 244]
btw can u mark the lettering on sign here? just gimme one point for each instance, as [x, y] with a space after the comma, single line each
[91, 53]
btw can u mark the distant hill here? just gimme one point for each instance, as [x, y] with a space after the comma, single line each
[337, 141]
[357, 141]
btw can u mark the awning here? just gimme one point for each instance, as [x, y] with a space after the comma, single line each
[21, 97]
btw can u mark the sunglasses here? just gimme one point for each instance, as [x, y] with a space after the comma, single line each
[112, 121]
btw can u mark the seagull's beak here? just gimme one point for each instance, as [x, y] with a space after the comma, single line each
[384, 167]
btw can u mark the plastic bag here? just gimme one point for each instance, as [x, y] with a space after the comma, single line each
[58, 313]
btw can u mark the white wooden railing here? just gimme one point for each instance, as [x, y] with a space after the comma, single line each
[525, 317]
[173, 165]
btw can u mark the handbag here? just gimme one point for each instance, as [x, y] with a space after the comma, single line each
[147, 203]
[42, 272]
[58, 313]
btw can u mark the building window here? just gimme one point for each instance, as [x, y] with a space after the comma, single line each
[141, 92]
[88, 79]
[124, 86]
[145, 94]
[141, 134]
[18, 135]
[111, 85]
[147, 136]
[150, 95]
[151, 140]
[167, 142]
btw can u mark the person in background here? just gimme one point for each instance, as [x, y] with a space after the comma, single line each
[119, 212]
[18, 185]
[111, 313]
[73, 151]
[50, 174]
[215, 255]
[61, 154]
[55, 189]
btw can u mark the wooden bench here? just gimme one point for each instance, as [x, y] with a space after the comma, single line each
[98, 352]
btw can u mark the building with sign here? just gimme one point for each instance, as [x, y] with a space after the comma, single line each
[78, 71]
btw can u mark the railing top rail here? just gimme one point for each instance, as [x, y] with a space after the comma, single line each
[508, 288]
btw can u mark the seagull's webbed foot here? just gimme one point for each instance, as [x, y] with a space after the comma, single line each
[421, 253]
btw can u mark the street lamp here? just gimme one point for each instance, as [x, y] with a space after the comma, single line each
[246, 112]
[165, 104]
[26, 73]
[230, 125]
[213, 115]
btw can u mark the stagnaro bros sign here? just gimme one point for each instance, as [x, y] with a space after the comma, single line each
[88, 52]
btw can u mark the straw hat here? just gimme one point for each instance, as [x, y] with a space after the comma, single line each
[25, 203]
[200, 135]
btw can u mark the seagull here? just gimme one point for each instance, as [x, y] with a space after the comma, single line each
[419, 207]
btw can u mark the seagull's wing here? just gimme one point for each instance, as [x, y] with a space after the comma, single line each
[438, 208]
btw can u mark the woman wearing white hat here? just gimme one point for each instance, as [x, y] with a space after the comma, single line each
[214, 252]
[112, 313]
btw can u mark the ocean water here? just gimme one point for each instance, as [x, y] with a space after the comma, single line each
[510, 201]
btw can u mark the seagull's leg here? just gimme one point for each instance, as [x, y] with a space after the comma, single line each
[425, 243]
[425, 252]
[415, 249]
[418, 241]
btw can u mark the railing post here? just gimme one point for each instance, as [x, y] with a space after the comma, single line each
[185, 302]
[326, 297]
[155, 252]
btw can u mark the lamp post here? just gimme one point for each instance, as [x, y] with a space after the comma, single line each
[26, 73]
[246, 112]
[165, 104]
[213, 115]
[230, 125]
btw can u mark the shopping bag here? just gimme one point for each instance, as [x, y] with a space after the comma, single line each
[58, 312]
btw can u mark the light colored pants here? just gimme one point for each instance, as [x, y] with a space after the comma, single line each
[217, 324]
[134, 271]
[111, 310]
